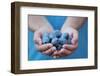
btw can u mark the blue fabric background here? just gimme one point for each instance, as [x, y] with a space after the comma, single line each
[57, 22]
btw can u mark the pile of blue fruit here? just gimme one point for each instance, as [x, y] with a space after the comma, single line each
[57, 38]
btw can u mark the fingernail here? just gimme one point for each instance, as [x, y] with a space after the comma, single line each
[53, 48]
[50, 45]
[64, 46]
[54, 56]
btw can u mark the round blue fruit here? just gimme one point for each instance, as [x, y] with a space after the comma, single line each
[51, 35]
[64, 35]
[57, 38]
[45, 38]
[45, 34]
[57, 33]
[62, 41]
[54, 41]
[59, 47]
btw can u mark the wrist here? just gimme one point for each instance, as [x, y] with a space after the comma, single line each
[45, 29]
[67, 29]
[72, 26]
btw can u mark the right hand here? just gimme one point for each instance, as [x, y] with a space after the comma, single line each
[44, 48]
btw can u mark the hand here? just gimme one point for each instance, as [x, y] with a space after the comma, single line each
[44, 48]
[68, 48]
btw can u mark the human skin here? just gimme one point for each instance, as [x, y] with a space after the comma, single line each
[39, 25]
[71, 26]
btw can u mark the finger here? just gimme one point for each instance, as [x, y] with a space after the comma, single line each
[55, 54]
[49, 51]
[75, 38]
[70, 47]
[44, 47]
[38, 41]
[37, 38]
[64, 52]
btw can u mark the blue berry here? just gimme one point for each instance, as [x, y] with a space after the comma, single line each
[57, 33]
[64, 35]
[62, 41]
[54, 41]
[52, 35]
[59, 47]
[57, 38]
[45, 34]
[45, 38]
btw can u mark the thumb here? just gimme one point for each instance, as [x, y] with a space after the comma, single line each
[75, 38]
[37, 38]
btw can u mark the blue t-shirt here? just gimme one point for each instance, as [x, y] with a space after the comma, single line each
[57, 22]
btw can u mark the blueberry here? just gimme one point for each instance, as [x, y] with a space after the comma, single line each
[45, 34]
[52, 35]
[45, 38]
[62, 41]
[57, 33]
[59, 47]
[64, 35]
[54, 41]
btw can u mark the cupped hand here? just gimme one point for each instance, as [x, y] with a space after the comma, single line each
[44, 48]
[67, 49]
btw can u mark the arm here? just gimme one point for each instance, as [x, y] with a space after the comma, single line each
[39, 25]
[71, 26]
[37, 22]
[74, 22]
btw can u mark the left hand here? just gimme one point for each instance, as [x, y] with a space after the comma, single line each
[68, 48]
